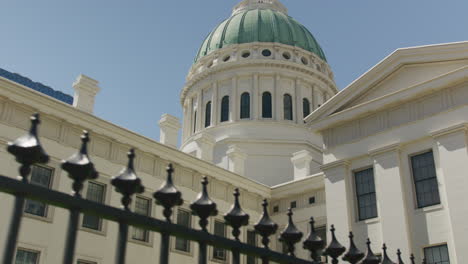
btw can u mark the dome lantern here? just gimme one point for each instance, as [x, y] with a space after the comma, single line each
[260, 4]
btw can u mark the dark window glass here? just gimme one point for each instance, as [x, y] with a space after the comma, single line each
[143, 207]
[219, 230]
[293, 204]
[85, 262]
[245, 106]
[437, 255]
[275, 209]
[365, 191]
[266, 105]
[183, 219]
[266, 53]
[225, 109]
[425, 179]
[312, 200]
[305, 107]
[208, 114]
[288, 107]
[251, 240]
[94, 193]
[194, 121]
[39, 176]
[26, 257]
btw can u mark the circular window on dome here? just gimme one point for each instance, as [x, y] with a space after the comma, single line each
[304, 61]
[266, 52]
[287, 55]
[245, 54]
[226, 58]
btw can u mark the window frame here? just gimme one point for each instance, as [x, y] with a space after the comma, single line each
[105, 199]
[84, 261]
[208, 113]
[266, 111]
[288, 99]
[148, 236]
[225, 105]
[436, 246]
[306, 101]
[189, 243]
[413, 179]
[47, 209]
[359, 218]
[38, 252]
[213, 249]
[245, 106]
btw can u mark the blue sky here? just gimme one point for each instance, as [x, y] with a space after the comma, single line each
[141, 51]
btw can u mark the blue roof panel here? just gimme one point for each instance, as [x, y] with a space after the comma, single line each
[36, 86]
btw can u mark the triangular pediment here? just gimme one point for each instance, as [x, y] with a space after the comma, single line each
[400, 71]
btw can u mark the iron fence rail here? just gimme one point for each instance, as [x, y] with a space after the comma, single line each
[28, 151]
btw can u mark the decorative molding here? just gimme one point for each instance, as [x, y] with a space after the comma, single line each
[334, 164]
[461, 127]
[385, 149]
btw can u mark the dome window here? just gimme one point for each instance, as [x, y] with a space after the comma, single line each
[304, 61]
[226, 58]
[266, 52]
[266, 105]
[287, 55]
[245, 54]
[287, 107]
[225, 109]
[245, 106]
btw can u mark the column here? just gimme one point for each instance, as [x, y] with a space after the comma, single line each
[453, 162]
[277, 100]
[233, 109]
[205, 146]
[214, 104]
[299, 111]
[236, 159]
[199, 110]
[391, 199]
[338, 197]
[255, 99]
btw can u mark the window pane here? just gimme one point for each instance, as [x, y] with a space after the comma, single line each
[143, 207]
[437, 255]
[266, 105]
[39, 176]
[26, 257]
[425, 179]
[194, 121]
[251, 240]
[183, 219]
[305, 107]
[365, 192]
[245, 106]
[85, 262]
[208, 114]
[219, 230]
[225, 109]
[94, 193]
[288, 107]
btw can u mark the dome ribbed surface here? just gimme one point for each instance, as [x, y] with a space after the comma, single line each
[260, 25]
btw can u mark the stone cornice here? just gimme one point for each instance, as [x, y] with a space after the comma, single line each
[385, 149]
[334, 164]
[461, 127]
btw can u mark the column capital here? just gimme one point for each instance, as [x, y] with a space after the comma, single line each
[460, 127]
[335, 164]
[395, 147]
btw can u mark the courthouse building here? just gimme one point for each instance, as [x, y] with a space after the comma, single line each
[386, 157]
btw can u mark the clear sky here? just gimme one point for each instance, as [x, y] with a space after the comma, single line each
[141, 50]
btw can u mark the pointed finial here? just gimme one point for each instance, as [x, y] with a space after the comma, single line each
[204, 207]
[290, 235]
[354, 254]
[400, 260]
[370, 258]
[168, 196]
[335, 249]
[412, 259]
[313, 242]
[265, 227]
[386, 258]
[236, 217]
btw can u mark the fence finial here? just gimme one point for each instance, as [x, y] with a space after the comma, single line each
[291, 235]
[127, 182]
[386, 258]
[168, 196]
[204, 207]
[265, 226]
[236, 217]
[313, 242]
[334, 249]
[370, 258]
[354, 254]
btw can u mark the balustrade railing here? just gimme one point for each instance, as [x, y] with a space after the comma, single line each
[28, 151]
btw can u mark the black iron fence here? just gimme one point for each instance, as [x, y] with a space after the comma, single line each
[28, 151]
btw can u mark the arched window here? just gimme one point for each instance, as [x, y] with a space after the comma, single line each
[266, 105]
[208, 114]
[225, 109]
[194, 121]
[287, 107]
[305, 107]
[245, 106]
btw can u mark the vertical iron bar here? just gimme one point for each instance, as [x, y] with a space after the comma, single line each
[235, 257]
[164, 251]
[122, 243]
[265, 260]
[14, 230]
[202, 253]
[72, 232]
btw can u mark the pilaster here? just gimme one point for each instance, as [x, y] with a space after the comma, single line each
[236, 159]
[301, 162]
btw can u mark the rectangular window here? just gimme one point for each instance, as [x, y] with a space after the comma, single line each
[425, 179]
[95, 193]
[183, 219]
[365, 192]
[27, 257]
[143, 207]
[293, 204]
[251, 240]
[275, 209]
[85, 262]
[219, 230]
[40, 176]
[312, 200]
[437, 255]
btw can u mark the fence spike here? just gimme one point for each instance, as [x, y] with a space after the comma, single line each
[412, 259]
[168, 196]
[265, 227]
[291, 235]
[204, 207]
[127, 182]
[354, 254]
[236, 217]
[370, 258]
[386, 259]
[314, 243]
[334, 249]
[400, 260]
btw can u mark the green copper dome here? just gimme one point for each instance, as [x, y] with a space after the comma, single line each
[260, 25]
